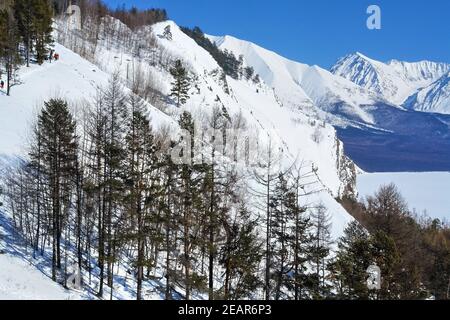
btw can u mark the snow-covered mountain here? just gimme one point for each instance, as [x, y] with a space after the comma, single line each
[270, 115]
[432, 98]
[363, 99]
[299, 84]
[297, 134]
[395, 80]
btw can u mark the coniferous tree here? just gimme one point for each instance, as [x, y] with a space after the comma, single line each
[300, 241]
[42, 27]
[319, 250]
[24, 12]
[57, 151]
[189, 202]
[241, 255]
[180, 85]
[115, 114]
[9, 47]
[282, 207]
[141, 185]
[386, 256]
[351, 263]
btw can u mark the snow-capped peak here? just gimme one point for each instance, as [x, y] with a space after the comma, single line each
[395, 80]
[432, 98]
[300, 84]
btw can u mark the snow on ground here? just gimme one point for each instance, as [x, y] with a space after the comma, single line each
[22, 281]
[424, 191]
[24, 278]
[299, 84]
[71, 77]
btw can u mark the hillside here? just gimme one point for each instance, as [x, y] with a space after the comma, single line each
[299, 137]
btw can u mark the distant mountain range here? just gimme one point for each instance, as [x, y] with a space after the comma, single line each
[421, 86]
[392, 116]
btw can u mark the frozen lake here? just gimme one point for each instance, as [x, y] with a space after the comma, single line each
[424, 191]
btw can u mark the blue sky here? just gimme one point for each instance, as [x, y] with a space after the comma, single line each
[321, 31]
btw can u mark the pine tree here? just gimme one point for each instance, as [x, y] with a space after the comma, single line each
[115, 115]
[56, 128]
[141, 185]
[9, 44]
[319, 249]
[42, 22]
[241, 255]
[25, 16]
[386, 256]
[180, 85]
[282, 208]
[352, 260]
[189, 202]
[301, 240]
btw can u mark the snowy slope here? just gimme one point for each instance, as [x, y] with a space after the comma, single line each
[395, 80]
[22, 277]
[420, 73]
[65, 78]
[21, 281]
[295, 82]
[71, 77]
[432, 98]
[291, 131]
[282, 123]
[260, 105]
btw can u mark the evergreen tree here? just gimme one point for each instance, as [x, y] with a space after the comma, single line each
[24, 12]
[58, 153]
[190, 203]
[300, 242]
[283, 208]
[386, 256]
[9, 48]
[351, 263]
[241, 255]
[42, 22]
[141, 184]
[180, 85]
[319, 250]
[114, 113]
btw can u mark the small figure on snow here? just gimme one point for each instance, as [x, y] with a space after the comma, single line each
[2, 84]
[56, 56]
[50, 56]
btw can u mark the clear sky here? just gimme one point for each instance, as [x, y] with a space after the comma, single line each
[321, 31]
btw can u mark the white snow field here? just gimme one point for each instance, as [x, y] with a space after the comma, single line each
[22, 281]
[424, 191]
[24, 278]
